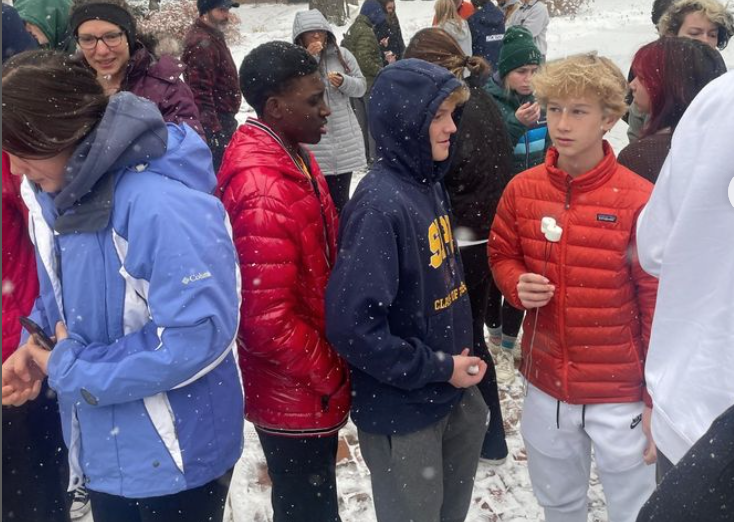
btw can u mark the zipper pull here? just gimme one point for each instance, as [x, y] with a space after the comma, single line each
[568, 196]
[325, 402]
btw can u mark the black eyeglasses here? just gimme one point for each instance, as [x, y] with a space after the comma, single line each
[89, 41]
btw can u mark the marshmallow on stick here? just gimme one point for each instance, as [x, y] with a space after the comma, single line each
[550, 229]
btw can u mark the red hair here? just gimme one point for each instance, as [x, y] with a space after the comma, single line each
[673, 70]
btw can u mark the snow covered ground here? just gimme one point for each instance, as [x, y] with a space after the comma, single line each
[614, 28]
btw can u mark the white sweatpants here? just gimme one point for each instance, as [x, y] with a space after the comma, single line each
[559, 439]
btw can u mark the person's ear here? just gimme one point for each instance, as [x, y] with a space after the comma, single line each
[608, 122]
[274, 109]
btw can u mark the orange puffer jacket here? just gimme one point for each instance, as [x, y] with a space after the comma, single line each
[284, 226]
[592, 338]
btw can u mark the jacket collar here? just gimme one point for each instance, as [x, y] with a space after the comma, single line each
[589, 181]
[199, 23]
[288, 164]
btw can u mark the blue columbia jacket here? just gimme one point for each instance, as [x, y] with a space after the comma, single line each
[397, 307]
[134, 255]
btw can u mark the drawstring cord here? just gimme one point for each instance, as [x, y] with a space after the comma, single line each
[535, 320]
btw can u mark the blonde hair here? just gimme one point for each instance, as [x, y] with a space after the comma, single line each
[715, 11]
[446, 12]
[583, 75]
[459, 96]
[510, 10]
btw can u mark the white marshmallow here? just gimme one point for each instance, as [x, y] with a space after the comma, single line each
[545, 223]
[554, 233]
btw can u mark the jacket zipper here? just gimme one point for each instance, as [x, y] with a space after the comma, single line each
[562, 296]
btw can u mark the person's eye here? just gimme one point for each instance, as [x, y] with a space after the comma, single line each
[554, 109]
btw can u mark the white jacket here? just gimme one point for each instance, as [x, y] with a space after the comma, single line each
[686, 239]
[341, 149]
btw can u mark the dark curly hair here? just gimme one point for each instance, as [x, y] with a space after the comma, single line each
[269, 69]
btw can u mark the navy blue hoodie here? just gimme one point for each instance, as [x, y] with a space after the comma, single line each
[15, 38]
[397, 307]
[487, 26]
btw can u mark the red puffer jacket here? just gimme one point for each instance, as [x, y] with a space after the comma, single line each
[286, 238]
[20, 282]
[592, 337]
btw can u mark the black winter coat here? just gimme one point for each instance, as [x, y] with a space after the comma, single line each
[701, 486]
[481, 166]
[391, 29]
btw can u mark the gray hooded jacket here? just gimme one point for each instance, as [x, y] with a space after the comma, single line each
[341, 149]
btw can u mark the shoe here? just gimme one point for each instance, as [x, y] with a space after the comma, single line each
[504, 367]
[494, 342]
[517, 349]
[80, 506]
[494, 451]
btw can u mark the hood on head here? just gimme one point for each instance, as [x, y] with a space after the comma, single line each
[374, 11]
[50, 16]
[312, 20]
[404, 99]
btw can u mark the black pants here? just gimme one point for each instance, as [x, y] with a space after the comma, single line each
[478, 278]
[500, 312]
[339, 189]
[35, 468]
[218, 141]
[700, 488]
[202, 504]
[303, 473]
[361, 112]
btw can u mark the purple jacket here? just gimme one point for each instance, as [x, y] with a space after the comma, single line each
[160, 82]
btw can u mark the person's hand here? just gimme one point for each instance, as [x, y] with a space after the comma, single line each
[463, 377]
[336, 79]
[650, 455]
[528, 113]
[22, 378]
[315, 48]
[40, 355]
[534, 290]
[390, 57]
[385, 41]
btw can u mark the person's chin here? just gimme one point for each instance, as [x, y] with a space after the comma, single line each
[311, 139]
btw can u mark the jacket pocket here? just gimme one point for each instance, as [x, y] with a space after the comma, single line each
[161, 415]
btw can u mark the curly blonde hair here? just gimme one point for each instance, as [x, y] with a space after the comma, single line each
[715, 11]
[583, 75]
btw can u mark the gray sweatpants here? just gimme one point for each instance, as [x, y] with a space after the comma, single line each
[428, 475]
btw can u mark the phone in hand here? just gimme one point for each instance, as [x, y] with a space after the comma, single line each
[41, 338]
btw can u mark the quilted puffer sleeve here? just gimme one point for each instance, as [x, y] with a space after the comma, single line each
[505, 254]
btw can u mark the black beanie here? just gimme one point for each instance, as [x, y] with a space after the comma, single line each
[204, 6]
[111, 13]
[518, 50]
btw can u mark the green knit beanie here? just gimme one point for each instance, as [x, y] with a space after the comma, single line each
[518, 50]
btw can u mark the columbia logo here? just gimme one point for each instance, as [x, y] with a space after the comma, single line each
[196, 277]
